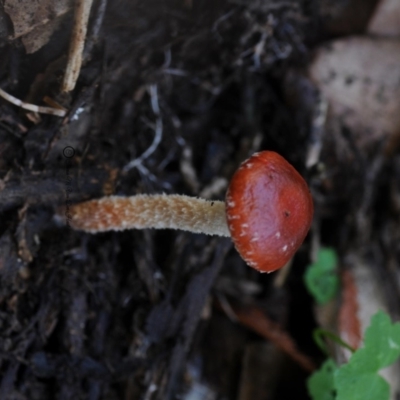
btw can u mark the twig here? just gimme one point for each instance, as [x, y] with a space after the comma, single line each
[93, 35]
[82, 11]
[282, 274]
[255, 319]
[32, 107]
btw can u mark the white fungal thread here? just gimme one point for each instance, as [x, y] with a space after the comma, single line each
[284, 248]
[277, 235]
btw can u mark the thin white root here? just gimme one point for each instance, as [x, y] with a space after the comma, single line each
[158, 130]
[150, 211]
[82, 12]
[32, 107]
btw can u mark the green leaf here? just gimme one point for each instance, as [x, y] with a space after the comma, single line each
[320, 384]
[354, 385]
[359, 379]
[382, 340]
[320, 278]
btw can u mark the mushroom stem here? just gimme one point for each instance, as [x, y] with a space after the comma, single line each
[150, 211]
[267, 213]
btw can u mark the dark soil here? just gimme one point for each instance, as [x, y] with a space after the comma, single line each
[145, 314]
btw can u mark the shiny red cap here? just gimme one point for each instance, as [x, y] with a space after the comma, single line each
[269, 211]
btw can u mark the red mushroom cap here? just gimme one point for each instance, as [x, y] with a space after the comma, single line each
[269, 211]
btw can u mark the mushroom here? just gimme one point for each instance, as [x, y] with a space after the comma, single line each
[268, 212]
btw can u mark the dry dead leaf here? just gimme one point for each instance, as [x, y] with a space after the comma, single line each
[386, 19]
[348, 320]
[35, 21]
[39, 36]
[360, 79]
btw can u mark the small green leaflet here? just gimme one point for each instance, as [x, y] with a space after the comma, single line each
[356, 385]
[321, 385]
[321, 278]
[359, 379]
